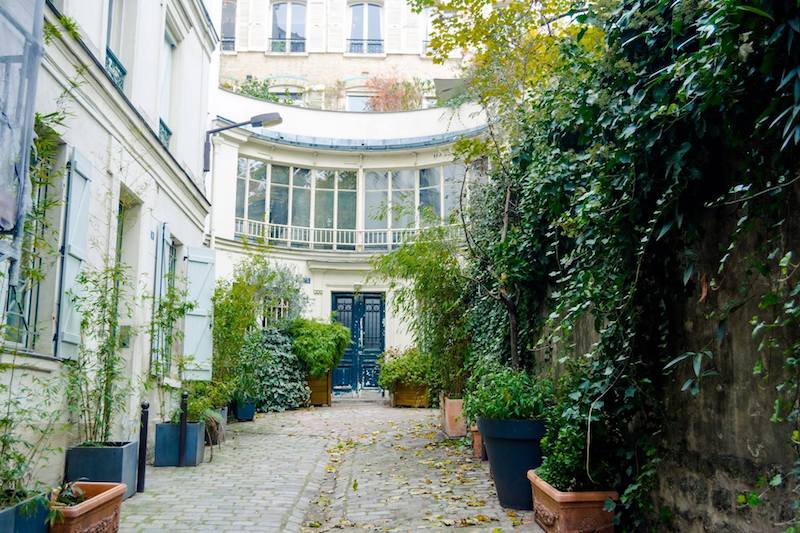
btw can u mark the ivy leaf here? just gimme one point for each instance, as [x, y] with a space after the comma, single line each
[687, 274]
[776, 480]
[664, 229]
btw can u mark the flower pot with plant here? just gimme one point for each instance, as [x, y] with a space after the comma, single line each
[510, 408]
[200, 414]
[208, 401]
[81, 506]
[97, 389]
[320, 347]
[407, 374]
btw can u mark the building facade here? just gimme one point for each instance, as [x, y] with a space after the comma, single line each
[131, 79]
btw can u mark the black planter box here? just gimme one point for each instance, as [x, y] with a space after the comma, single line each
[513, 448]
[245, 411]
[115, 462]
[29, 516]
[167, 442]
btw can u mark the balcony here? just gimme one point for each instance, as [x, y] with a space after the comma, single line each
[115, 69]
[228, 44]
[346, 240]
[293, 45]
[365, 46]
[164, 133]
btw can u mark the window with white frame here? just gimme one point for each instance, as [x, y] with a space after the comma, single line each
[165, 88]
[358, 103]
[228, 26]
[366, 35]
[288, 27]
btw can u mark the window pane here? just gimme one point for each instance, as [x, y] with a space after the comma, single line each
[375, 209]
[258, 170]
[298, 21]
[324, 178]
[346, 210]
[256, 200]
[358, 103]
[302, 177]
[403, 179]
[280, 174]
[402, 209]
[241, 170]
[228, 19]
[374, 30]
[429, 177]
[278, 204]
[279, 21]
[347, 179]
[301, 207]
[376, 180]
[323, 209]
[453, 176]
[428, 203]
[241, 186]
[357, 23]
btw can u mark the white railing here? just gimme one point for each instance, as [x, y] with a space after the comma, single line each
[350, 240]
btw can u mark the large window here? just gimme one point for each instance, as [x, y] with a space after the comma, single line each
[365, 29]
[165, 88]
[288, 27]
[228, 40]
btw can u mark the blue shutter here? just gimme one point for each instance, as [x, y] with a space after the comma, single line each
[197, 342]
[73, 254]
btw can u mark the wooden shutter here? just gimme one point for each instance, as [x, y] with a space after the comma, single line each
[73, 254]
[257, 32]
[412, 40]
[315, 30]
[393, 26]
[243, 25]
[197, 342]
[337, 32]
[160, 280]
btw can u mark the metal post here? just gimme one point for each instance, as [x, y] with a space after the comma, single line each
[182, 434]
[142, 446]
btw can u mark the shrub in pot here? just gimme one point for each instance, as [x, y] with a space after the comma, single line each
[320, 347]
[199, 415]
[217, 395]
[407, 374]
[510, 408]
[83, 506]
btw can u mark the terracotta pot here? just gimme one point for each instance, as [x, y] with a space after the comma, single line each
[410, 396]
[478, 449]
[570, 512]
[98, 514]
[321, 388]
[453, 421]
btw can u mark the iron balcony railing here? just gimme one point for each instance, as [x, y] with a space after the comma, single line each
[294, 45]
[164, 133]
[365, 46]
[115, 69]
[228, 44]
[349, 240]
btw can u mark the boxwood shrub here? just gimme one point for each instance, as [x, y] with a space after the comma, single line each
[406, 367]
[319, 345]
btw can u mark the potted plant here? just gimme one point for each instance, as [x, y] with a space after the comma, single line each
[82, 506]
[407, 375]
[510, 408]
[246, 383]
[97, 389]
[167, 448]
[319, 346]
[205, 397]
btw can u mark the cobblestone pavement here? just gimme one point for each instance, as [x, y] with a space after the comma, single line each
[356, 466]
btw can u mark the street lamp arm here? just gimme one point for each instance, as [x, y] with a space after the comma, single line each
[258, 121]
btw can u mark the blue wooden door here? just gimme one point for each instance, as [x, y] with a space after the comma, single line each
[364, 315]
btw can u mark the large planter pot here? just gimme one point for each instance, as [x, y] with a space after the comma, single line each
[114, 462]
[215, 435]
[98, 514]
[168, 441]
[478, 448]
[410, 396]
[28, 516]
[453, 421]
[513, 448]
[245, 411]
[321, 388]
[570, 512]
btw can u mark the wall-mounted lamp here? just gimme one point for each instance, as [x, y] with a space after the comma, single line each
[264, 120]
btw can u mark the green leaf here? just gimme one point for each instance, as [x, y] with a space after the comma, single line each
[757, 11]
[776, 480]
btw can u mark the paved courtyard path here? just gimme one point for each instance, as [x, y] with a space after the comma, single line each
[356, 466]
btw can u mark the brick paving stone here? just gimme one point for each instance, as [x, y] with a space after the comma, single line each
[355, 466]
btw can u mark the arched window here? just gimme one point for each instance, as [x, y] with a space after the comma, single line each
[366, 35]
[288, 27]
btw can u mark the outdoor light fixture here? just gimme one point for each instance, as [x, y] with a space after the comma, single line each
[264, 120]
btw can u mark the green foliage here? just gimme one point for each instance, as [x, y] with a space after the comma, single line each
[97, 387]
[393, 93]
[428, 290]
[507, 394]
[319, 346]
[261, 89]
[407, 367]
[235, 309]
[269, 373]
[168, 310]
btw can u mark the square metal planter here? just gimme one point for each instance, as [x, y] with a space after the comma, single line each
[29, 516]
[114, 463]
[167, 442]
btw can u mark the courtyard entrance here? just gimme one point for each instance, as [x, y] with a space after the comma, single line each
[364, 314]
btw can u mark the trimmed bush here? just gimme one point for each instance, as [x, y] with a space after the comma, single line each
[319, 345]
[409, 367]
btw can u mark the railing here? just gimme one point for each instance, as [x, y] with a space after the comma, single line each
[115, 69]
[365, 46]
[349, 240]
[294, 45]
[164, 133]
[228, 44]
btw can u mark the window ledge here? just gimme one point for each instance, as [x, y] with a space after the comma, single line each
[230, 52]
[374, 56]
[290, 54]
[27, 360]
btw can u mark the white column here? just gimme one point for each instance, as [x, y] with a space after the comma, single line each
[223, 195]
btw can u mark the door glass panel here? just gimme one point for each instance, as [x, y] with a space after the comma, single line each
[241, 186]
[403, 179]
[301, 207]
[402, 209]
[324, 179]
[347, 179]
[279, 21]
[258, 170]
[256, 201]
[376, 180]
[376, 203]
[280, 174]
[346, 210]
[429, 204]
[241, 169]
[453, 176]
[357, 22]
[302, 177]
[323, 209]
[279, 205]
[298, 21]
[429, 177]
[374, 20]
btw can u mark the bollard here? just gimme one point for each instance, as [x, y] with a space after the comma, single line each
[142, 446]
[182, 434]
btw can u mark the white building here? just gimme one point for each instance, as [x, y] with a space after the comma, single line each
[135, 87]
